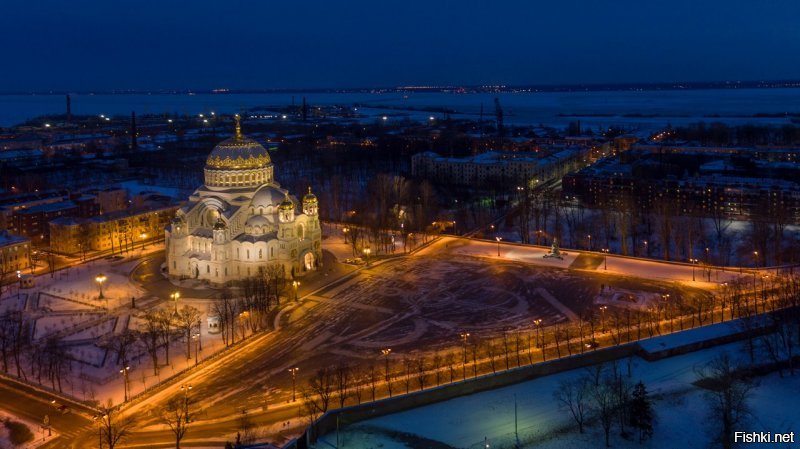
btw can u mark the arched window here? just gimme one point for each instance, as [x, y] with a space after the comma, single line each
[208, 269]
[248, 254]
[272, 252]
[260, 254]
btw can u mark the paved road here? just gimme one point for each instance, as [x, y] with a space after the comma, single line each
[33, 405]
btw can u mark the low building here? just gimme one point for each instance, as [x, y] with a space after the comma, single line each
[115, 232]
[15, 253]
[503, 167]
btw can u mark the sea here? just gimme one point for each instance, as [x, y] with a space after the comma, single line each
[632, 109]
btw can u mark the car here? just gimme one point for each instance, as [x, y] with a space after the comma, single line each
[60, 407]
[591, 344]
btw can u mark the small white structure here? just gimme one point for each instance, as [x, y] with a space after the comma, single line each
[213, 324]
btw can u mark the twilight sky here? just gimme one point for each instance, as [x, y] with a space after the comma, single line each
[201, 44]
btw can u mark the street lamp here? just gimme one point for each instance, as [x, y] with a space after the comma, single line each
[124, 372]
[19, 289]
[498, 245]
[386, 353]
[100, 278]
[196, 338]
[186, 388]
[465, 335]
[605, 259]
[175, 296]
[345, 231]
[589, 236]
[366, 252]
[693, 262]
[294, 376]
[143, 236]
[538, 324]
[603, 317]
[295, 284]
[755, 254]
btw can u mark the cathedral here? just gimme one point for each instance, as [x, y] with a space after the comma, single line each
[241, 219]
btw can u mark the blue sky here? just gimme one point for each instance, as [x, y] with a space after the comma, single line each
[200, 44]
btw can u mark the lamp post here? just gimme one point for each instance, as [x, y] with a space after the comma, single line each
[294, 377]
[498, 245]
[603, 317]
[646, 249]
[124, 372]
[367, 252]
[693, 262]
[755, 255]
[186, 388]
[386, 353]
[589, 236]
[605, 259]
[142, 237]
[19, 289]
[465, 335]
[295, 284]
[538, 324]
[100, 278]
[199, 335]
[344, 232]
[196, 338]
[175, 296]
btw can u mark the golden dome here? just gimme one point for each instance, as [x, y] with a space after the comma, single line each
[287, 204]
[238, 152]
[309, 197]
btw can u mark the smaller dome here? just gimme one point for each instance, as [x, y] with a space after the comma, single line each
[267, 196]
[310, 197]
[287, 204]
[257, 220]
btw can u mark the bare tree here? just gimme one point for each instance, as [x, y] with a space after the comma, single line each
[342, 378]
[114, 428]
[186, 320]
[728, 394]
[573, 395]
[149, 334]
[605, 404]
[175, 414]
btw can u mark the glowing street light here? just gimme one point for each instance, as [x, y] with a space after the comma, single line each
[693, 262]
[175, 296]
[294, 376]
[603, 317]
[386, 353]
[367, 252]
[465, 335]
[143, 236]
[605, 258]
[498, 245]
[125, 387]
[100, 278]
[295, 284]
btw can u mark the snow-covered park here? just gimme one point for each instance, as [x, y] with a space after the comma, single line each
[489, 419]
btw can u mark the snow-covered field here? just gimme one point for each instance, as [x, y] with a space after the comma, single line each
[680, 407]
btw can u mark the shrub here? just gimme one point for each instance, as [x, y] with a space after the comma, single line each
[18, 433]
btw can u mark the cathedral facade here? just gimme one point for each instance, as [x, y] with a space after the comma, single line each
[241, 219]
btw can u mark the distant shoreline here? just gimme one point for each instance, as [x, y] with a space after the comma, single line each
[598, 87]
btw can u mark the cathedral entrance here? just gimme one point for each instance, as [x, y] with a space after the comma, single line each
[308, 261]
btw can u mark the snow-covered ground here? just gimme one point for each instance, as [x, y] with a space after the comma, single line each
[40, 435]
[680, 407]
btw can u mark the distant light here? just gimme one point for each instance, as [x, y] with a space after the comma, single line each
[201, 115]
[46, 125]
[283, 116]
[205, 120]
[108, 119]
[431, 118]
[102, 116]
[212, 113]
[385, 117]
[169, 121]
